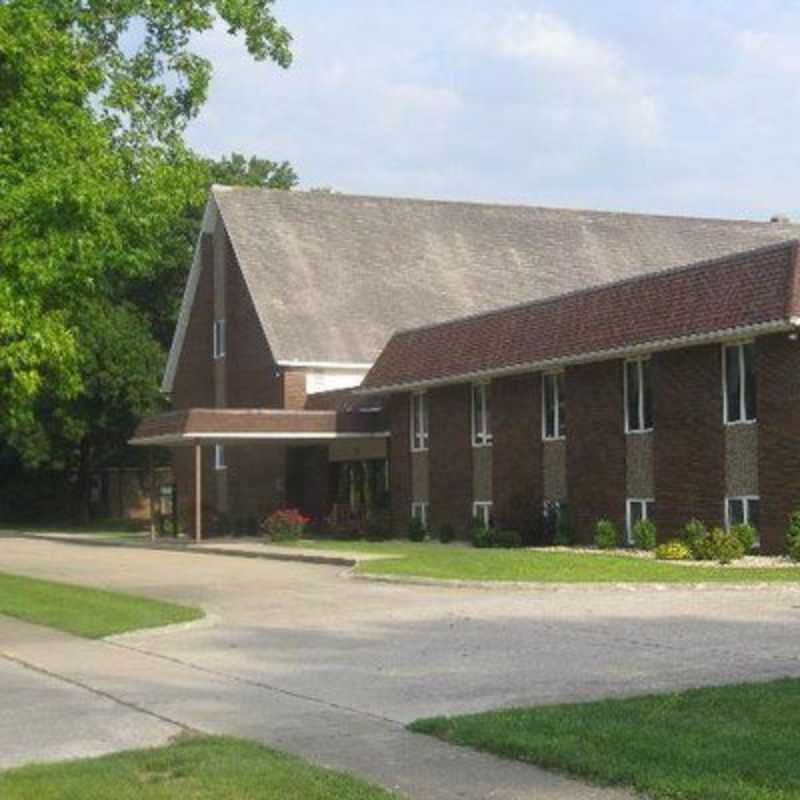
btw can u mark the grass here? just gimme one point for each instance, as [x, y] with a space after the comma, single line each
[729, 743]
[83, 611]
[455, 562]
[191, 768]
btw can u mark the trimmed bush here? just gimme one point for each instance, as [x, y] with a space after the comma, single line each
[720, 545]
[793, 548]
[285, 525]
[606, 536]
[446, 533]
[673, 550]
[416, 530]
[644, 535]
[694, 533]
[746, 534]
[504, 538]
[793, 536]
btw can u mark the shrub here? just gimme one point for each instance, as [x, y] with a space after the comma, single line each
[416, 530]
[606, 536]
[481, 535]
[504, 538]
[285, 525]
[793, 536]
[446, 533]
[379, 525]
[644, 534]
[720, 545]
[694, 533]
[564, 535]
[673, 550]
[746, 534]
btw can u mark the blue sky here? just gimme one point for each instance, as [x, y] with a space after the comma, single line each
[674, 107]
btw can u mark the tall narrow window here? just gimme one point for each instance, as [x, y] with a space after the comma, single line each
[419, 421]
[481, 417]
[219, 338]
[554, 420]
[638, 395]
[739, 382]
[219, 456]
[419, 510]
[482, 513]
[638, 509]
[742, 511]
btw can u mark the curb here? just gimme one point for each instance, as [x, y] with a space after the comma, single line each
[336, 561]
[541, 586]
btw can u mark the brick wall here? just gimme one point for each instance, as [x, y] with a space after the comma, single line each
[688, 438]
[517, 459]
[194, 376]
[595, 428]
[778, 371]
[293, 386]
[450, 457]
[400, 462]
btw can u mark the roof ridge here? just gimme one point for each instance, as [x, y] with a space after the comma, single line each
[493, 204]
[739, 255]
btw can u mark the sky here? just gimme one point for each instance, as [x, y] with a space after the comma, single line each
[680, 107]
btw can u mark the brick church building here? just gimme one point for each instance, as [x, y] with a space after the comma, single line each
[524, 365]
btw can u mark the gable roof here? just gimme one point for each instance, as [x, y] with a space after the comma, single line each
[333, 276]
[755, 291]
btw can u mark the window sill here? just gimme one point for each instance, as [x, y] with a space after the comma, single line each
[420, 449]
[554, 438]
[477, 445]
[220, 469]
[740, 422]
[639, 432]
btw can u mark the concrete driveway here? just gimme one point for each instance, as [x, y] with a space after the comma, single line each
[302, 658]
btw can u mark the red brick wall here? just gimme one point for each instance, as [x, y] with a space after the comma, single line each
[517, 482]
[400, 462]
[294, 388]
[778, 377]
[688, 438]
[451, 457]
[256, 478]
[194, 376]
[252, 376]
[595, 429]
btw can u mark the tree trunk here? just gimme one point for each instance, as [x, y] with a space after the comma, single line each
[84, 487]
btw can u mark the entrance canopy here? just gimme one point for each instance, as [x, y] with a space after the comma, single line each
[195, 425]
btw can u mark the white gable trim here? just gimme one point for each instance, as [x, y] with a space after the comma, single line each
[210, 221]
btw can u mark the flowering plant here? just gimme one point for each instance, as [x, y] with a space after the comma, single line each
[285, 525]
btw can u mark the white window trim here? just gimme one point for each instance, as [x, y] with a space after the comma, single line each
[219, 457]
[640, 377]
[629, 516]
[482, 437]
[742, 402]
[423, 426]
[485, 509]
[219, 338]
[556, 437]
[421, 506]
[744, 498]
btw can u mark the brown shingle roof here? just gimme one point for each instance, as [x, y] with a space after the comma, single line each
[755, 288]
[333, 276]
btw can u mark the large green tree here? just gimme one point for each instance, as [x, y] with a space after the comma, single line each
[98, 202]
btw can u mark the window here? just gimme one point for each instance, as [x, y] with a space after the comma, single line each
[419, 421]
[482, 512]
[554, 421]
[419, 510]
[739, 382]
[481, 418]
[742, 511]
[555, 516]
[638, 509]
[638, 396]
[219, 338]
[219, 456]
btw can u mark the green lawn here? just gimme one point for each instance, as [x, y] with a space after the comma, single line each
[93, 613]
[729, 743]
[192, 768]
[431, 560]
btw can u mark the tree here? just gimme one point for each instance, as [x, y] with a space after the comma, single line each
[93, 176]
[237, 170]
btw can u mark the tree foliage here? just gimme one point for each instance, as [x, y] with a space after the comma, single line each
[99, 204]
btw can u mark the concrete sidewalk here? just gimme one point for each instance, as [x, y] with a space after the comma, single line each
[73, 697]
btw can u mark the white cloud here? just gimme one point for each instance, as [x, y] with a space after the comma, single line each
[581, 69]
[769, 51]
